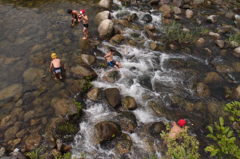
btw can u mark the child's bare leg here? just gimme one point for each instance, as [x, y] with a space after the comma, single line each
[119, 65]
[85, 33]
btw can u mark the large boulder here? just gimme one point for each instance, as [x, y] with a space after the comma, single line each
[83, 71]
[113, 97]
[127, 121]
[33, 141]
[116, 39]
[203, 90]
[158, 108]
[33, 74]
[105, 29]
[102, 16]
[63, 106]
[105, 3]
[111, 76]
[212, 77]
[129, 103]
[88, 59]
[11, 91]
[237, 51]
[106, 130]
[93, 94]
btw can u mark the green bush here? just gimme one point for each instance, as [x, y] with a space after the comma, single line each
[67, 155]
[184, 146]
[234, 109]
[224, 146]
[235, 38]
[79, 106]
[35, 154]
[66, 128]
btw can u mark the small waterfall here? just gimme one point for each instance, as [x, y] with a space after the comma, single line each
[144, 72]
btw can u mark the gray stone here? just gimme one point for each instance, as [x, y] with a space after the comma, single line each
[129, 103]
[220, 43]
[196, 2]
[10, 91]
[203, 90]
[113, 96]
[166, 10]
[88, 59]
[33, 74]
[200, 42]
[212, 77]
[215, 35]
[189, 13]
[83, 71]
[10, 133]
[105, 29]
[32, 141]
[105, 3]
[177, 10]
[64, 106]
[2, 151]
[237, 51]
[127, 121]
[102, 16]
[93, 94]
[224, 69]
[116, 39]
[237, 92]
[111, 76]
[106, 130]
[212, 18]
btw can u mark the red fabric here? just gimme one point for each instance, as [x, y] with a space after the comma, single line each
[182, 122]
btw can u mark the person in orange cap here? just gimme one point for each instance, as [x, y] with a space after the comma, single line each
[177, 128]
[84, 18]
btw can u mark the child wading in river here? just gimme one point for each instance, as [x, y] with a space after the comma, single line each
[55, 66]
[110, 61]
[75, 16]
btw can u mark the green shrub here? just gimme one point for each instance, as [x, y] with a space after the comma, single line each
[66, 128]
[184, 146]
[234, 38]
[79, 106]
[67, 155]
[224, 146]
[35, 154]
[234, 109]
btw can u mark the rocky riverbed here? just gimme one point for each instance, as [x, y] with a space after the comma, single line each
[180, 60]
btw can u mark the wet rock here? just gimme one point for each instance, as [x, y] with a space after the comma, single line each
[88, 59]
[177, 10]
[33, 74]
[123, 146]
[83, 71]
[11, 91]
[32, 141]
[203, 90]
[64, 106]
[21, 133]
[156, 128]
[127, 121]
[112, 76]
[30, 114]
[150, 27]
[177, 3]
[215, 35]
[237, 92]
[200, 42]
[220, 43]
[105, 3]
[133, 17]
[14, 143]
[10, 133]
[147, 18]
[166, 10]
[189, 13]
[212, 77]
[164, 1]
[212, 18]
[8, 60]
[113, 96]
[158, 108]
[229, 14]
[106, 130]
[237, 19]
[93, 94]
[76, 86]
[129, 103]
[116, 39]
[224, 69]
[2, 151]
[105, 29]
[153, 45]
[236, 66]
[237, 51]
[197, 2]
[34, 121]
[215, 108]
[18, 155]
[55, 153]
[7, 121]
[102, 16]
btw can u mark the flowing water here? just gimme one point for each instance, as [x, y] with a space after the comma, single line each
[36, 28]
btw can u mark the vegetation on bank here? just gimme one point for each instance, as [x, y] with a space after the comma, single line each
[223, 135]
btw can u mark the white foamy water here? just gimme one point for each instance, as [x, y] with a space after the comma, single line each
[144, 73]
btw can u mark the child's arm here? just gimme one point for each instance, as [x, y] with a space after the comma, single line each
[51, 65]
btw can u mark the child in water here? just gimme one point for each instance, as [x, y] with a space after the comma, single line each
[110, 61]
[75, 16]
[84, 18]
[55, 66]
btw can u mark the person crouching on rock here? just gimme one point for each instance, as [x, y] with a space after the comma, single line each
[110, 61]
[55, 66]
[75, 16]
[177, 128]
